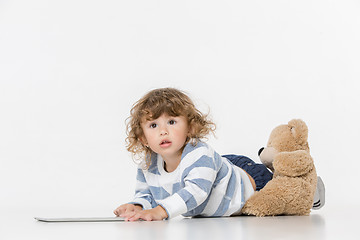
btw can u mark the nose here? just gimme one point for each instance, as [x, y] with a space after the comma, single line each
[164, 131]
[260, 150]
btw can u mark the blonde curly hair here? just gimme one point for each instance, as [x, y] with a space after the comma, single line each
[172, 102]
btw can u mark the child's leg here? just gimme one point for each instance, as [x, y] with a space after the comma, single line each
[262, 175]
[319, 197]
[258, 172]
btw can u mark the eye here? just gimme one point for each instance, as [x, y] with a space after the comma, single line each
[172, 122]
[153, 125]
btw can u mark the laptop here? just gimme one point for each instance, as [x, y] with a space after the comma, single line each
[85, 219]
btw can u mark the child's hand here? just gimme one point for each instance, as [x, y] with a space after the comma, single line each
[127, 210]
[155, 214]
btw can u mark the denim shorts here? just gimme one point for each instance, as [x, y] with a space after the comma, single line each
[257, 171]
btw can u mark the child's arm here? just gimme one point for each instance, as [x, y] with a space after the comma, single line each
[143, 195]
[143, 199]
[198, 179]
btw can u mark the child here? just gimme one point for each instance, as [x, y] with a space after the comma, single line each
[179, 174]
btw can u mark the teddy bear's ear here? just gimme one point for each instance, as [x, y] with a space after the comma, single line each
[299, 130]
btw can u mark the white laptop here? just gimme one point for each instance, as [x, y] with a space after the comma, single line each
[85, 219]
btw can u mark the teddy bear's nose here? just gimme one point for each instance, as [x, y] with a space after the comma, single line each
[260, 150]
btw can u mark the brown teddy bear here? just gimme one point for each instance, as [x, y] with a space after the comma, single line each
[291, 191]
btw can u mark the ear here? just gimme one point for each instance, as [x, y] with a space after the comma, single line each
[143, 141]
[299, 130]
[191, 130]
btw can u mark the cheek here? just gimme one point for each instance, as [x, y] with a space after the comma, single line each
[147, 136]
[183, 132]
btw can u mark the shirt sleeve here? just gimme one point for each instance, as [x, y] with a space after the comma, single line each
[198, 179]
[143, 195]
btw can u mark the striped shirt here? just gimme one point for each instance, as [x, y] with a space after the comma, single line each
[203, 184]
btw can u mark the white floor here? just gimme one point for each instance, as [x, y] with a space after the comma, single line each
[331, 222]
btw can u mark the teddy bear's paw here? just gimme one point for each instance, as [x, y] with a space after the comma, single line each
[265, 203]
[255, 210]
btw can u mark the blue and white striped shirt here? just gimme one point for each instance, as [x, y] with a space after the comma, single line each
[204, 184]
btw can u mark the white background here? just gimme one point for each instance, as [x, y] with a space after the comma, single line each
[71, 70]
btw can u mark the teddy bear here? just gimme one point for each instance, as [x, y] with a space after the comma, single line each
[291, 190]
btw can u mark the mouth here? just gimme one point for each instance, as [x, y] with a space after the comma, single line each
[165, 143]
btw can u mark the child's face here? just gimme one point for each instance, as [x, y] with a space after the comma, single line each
[166, 135]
